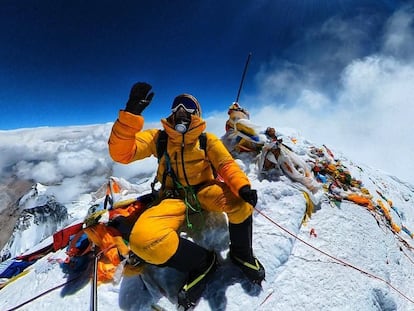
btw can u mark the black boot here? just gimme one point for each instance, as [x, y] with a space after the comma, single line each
[199, 263]
[241, 252]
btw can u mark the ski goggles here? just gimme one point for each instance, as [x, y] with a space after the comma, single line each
[186, 103]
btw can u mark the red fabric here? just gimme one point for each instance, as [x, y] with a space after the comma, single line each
[62, 237]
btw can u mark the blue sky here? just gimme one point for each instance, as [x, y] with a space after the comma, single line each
[73, 62]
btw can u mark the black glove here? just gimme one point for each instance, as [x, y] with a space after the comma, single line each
[249, 195]
[139, 98]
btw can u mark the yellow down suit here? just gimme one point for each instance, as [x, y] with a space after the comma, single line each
[154, 236]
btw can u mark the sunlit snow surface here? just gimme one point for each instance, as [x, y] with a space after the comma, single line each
[298, 277]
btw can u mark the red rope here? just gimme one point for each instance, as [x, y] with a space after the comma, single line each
[334, 258]
[44, 293]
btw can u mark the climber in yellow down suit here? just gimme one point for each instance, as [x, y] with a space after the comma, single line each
[187, 179]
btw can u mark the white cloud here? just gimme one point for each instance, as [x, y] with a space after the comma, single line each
[313, 100]
[136, 169]
[45, 173]
[76, 163]
[69, 188]
[399, 37]
[367, 115]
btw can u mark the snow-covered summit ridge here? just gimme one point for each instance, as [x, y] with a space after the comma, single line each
[298, 277]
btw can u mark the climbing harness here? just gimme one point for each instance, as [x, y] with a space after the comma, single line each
[187, 193]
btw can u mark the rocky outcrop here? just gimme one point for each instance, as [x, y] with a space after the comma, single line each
[40, 216]
[11, 190]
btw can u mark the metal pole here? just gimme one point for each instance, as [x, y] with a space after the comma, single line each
[94, 288]
[242, 79]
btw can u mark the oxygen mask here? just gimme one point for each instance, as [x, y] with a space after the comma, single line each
[182, 120]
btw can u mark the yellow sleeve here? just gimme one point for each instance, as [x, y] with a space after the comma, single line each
[127, 142]
[225, 165]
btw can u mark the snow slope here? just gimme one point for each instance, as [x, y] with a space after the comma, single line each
[343, 258]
